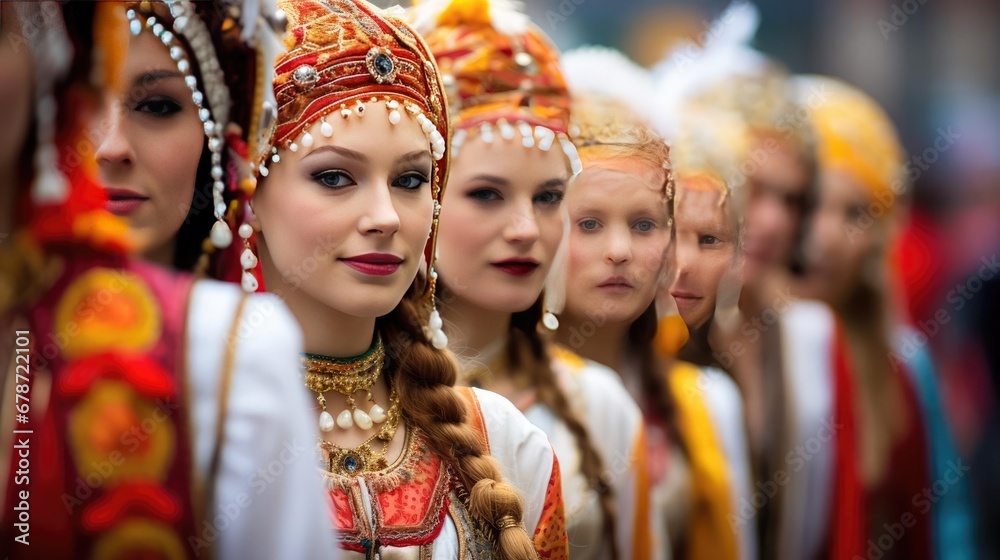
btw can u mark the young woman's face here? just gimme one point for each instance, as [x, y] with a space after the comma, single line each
[706, 248]
[501, 222]
[842, 237]
[15, 93]
[149, 143]
[774, 207]
[619, 235]
[345, 222]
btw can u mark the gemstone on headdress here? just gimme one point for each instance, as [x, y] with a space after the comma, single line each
[305, 77]
[381, 65]
[351, 463]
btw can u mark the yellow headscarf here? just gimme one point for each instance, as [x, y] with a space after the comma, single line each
[854, 134]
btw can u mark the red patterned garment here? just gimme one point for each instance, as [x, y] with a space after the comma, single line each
[420, 502]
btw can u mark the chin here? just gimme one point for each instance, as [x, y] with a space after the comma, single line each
[503, 298]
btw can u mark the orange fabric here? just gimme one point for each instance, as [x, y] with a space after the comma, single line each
[642, 540]
[709, 533]
[550, 534]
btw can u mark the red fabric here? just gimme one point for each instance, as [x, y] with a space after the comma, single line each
[848, 523]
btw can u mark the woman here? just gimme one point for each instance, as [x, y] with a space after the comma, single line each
[501, 229]
[773, 354]
[138, 444]
[618, 255]
[860, 175]
[351, 193]
[175, 136]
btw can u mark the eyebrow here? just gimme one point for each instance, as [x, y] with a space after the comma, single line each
[552, 183]
[157, 75]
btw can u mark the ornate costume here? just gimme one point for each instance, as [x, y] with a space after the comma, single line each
[158, 422]
[350, 60]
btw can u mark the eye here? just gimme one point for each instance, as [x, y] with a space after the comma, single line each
[411, 181]
[159, 107]
[485, 195]
[645, 226]
[708, 240]
[549, 198]
[333, 179]
[589, 224]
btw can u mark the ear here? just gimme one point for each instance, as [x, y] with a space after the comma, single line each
[251, 217]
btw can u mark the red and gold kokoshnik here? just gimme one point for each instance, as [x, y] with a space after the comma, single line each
[345, 56]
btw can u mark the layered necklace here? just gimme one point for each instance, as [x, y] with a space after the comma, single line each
[347, 376]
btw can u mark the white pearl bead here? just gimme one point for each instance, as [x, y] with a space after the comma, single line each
[434, 322]
[550, 321]
[263, 171]
[325, 421]
[245, 231]
[221, 236]
[249, 282]
[307, 140]
[248, 260]
[344, 419]
[395, 117]
[362, 419]
[377, 414]
[325, 129]
[439, 340]
[293, 147]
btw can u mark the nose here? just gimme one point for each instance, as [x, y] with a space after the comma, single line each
[380, 217]
[685, 257]
[522, 228]
[619, 247]
[113, 145]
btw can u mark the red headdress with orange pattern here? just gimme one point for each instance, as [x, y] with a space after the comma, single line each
[348, 59]
[501, 72]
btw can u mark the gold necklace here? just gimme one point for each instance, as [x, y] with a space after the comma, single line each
[347, 376]
[363, 458]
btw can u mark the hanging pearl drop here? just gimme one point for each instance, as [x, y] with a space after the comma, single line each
[439, 340]
[307, 140]
[293, 147]
[249, 282]
[377, 414]
[394, 117]
[263, 171]
[326, 130]
[435, 322]
[245, 231]
[362, 419]
[221, 236]
[326, 422]
[344, 419]
[248, 259]
[550, 321]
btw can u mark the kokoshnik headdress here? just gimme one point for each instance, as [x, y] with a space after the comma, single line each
[502, 76]
[237, 129]
[348, 59]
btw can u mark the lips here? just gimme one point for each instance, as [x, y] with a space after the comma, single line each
[122, 202]
[374, 264]
[685, 300]
[517, 267]
[616, 285]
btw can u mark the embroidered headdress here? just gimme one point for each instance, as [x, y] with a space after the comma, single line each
[501, 73]
[348, 59]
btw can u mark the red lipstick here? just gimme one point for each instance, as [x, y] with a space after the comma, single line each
[374, 264]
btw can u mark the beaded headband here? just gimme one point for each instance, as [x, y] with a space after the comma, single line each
[345, 58]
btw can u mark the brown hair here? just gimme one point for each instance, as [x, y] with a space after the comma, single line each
[527, 352]
[425, 379]
[609, 130]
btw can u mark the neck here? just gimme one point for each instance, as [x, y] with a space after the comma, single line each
[606, 346]
[471, 329]
[162, 255]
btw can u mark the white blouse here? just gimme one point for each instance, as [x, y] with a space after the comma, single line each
[269, 499]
